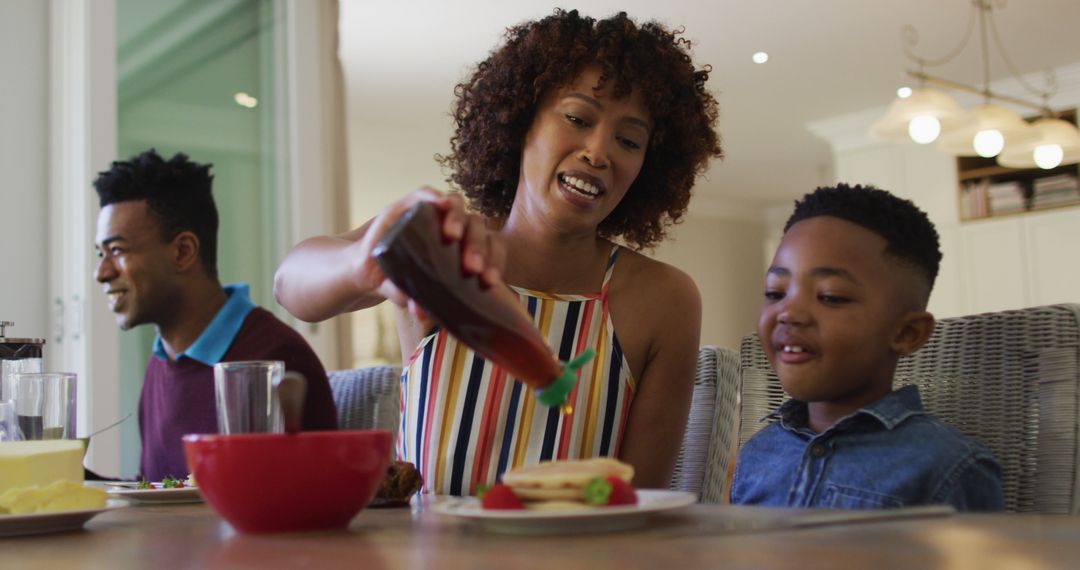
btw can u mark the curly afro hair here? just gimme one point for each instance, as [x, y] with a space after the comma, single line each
[496, 105]
[177, 193]
[910, 235]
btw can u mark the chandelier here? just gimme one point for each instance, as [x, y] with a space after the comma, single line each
[925, 114]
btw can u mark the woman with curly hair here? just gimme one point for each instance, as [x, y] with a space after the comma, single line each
[574, 134]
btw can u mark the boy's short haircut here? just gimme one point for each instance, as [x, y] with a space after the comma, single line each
[909, 234]
[178, 193]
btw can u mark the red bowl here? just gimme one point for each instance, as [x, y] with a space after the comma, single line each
[267, 482]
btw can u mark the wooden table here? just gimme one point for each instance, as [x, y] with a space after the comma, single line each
[707, 536]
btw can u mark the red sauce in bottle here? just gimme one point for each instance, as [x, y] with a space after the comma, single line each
[427, 267]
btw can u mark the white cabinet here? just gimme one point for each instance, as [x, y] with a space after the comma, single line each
[993, 266]
[1051, 240]
[948, 297]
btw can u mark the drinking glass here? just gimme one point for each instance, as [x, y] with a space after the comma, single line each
[246, 399]
[7, 420]
[45, 405]
[9, 368]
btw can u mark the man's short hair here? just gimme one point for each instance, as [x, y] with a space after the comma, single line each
[177, 193]
[910, 235]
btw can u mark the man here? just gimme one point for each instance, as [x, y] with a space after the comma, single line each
[157, 244]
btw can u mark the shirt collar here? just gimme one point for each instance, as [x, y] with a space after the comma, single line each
[218, 336]
[896, 406]
[890, 410]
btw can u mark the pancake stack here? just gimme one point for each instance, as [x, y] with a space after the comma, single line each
[571, 484]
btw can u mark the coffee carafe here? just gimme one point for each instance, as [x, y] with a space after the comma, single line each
[17, 355]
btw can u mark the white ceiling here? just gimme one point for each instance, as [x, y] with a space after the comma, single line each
[827, 58]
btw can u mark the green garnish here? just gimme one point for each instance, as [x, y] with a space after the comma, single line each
[481, 490]
[142, 484]
[171, 483]
[597, 491]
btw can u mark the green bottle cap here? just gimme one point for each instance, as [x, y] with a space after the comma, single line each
[559, 390]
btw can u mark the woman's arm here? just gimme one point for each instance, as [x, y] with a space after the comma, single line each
[661, 404]
[325, 276]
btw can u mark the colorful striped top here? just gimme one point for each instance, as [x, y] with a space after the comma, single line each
[464, 421]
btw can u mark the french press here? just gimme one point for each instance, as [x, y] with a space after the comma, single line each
[17, 355]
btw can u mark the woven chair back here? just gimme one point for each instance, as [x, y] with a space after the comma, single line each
[1009, 379]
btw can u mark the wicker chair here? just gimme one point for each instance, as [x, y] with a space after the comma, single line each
[703, 458]
[367, 398]
[1008, 379]
[723, 427]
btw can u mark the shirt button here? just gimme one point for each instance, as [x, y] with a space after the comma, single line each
[817, 450]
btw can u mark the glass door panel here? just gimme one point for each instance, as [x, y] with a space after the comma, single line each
[198, 77]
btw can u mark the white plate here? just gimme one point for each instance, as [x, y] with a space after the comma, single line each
[156, 495]
[599, 519]
[39, 523]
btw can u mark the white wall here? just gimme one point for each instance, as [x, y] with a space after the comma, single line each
[723, 255]
[24, 130]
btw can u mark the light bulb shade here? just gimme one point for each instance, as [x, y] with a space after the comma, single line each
[960, 140]
[1048, 156]
[1043, 133]
[988, 143]
[924, 129]
[922, 103]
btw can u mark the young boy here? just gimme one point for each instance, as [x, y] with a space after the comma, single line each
[845, 298]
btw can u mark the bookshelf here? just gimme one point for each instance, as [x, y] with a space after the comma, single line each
[987, 190]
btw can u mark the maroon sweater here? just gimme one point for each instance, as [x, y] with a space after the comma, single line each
[178, 397]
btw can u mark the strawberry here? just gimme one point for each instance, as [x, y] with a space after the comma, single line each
[622, 493]
[500, 497]
[609, 491]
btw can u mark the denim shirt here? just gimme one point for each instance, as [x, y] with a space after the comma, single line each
[888, 454]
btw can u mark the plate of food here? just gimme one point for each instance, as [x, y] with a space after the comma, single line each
[60, 506]
[167, 490]
[561, 497]
[59, 521]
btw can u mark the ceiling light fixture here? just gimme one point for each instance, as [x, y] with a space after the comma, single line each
[245, 100]
[760, 57]
[989, 130]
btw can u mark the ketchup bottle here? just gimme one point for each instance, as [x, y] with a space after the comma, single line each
[416, 257]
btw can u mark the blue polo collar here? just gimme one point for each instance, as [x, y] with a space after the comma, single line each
[218, 336]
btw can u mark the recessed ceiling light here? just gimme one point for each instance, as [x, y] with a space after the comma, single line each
[760, 57]
[903, 92]
[245, 100]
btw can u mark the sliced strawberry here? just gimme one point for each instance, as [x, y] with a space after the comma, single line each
[609, 491]
[500, 497]
[622, 493]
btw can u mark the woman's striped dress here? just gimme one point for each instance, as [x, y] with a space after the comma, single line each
[465, 422]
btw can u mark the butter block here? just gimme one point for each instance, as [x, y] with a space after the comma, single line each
[28, 463]
[59, 495]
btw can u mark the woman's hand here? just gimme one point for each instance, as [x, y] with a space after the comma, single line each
[329, 275]
[482, 251]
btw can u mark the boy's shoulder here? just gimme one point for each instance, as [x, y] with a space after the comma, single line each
[932, 435]
[902, 412]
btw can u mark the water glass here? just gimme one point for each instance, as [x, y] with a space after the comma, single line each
[246, 399]
[7, 420]
[45, 405]
[9, 368]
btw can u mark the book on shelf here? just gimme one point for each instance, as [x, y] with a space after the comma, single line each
[973, 200]
[1055, 183]
[1005, 197]
[1056, 190]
